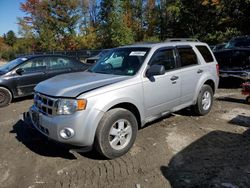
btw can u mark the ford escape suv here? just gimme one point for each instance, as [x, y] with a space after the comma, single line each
[127, 88]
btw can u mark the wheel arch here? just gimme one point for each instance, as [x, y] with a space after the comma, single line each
[130, 107]
[12, 94]
[211, 84]
[202, 82]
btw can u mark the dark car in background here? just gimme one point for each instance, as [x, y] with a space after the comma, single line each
[234, 58]
[92, 60]
[19, 77]
[218, 47]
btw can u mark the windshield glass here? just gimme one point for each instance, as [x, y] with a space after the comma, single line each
[103, 52]
[12, 64]
[240, 43]
[229, 45]
[121, 61]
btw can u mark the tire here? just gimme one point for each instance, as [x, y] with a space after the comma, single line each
[5, 97]
[116, 133]
[204, 101]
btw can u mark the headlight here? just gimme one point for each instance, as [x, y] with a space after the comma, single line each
[70, 106]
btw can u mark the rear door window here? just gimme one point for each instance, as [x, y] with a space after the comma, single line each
[187, 57]
[205, 53]
[59, 63]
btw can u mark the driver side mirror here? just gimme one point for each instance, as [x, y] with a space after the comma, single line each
[155, 70]
[19, 71]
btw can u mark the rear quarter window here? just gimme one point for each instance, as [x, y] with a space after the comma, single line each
[206, 54]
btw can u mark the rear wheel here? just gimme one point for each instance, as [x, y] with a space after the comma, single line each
[5, 97]
[116, 133]
[204, 101]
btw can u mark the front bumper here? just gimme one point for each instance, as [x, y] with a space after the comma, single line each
[244, 75]
[83, 123]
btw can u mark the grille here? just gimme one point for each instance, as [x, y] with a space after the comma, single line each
[45, 104]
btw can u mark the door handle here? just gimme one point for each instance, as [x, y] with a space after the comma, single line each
[200, 71]
[173, 78]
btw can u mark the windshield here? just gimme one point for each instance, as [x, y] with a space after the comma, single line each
[121, 61]
[12, 64]
[240, 43]
[103, 52]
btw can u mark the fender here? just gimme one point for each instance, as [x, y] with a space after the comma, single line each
[203, 79]
[98, 112]
[116, 101]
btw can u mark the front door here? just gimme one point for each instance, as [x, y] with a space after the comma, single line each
[34, 71]
[162, 93]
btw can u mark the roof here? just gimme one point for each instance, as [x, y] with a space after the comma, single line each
[43, 55]
[241, 37]
[182, 40]
[162, 44]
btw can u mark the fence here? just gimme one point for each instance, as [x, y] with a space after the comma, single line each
[78, 54]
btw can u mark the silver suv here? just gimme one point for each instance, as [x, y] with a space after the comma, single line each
[127, 88]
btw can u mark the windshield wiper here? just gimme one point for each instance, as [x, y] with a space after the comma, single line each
[101, 72]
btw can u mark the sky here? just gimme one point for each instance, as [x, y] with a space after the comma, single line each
[9, 11]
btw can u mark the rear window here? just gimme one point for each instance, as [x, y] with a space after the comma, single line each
[187, 57]
[205, 53]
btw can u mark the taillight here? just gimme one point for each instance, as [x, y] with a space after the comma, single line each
[218, 69]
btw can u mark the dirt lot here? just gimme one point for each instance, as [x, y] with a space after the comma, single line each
[177, 151]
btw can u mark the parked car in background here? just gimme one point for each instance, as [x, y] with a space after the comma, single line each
[218, 47]
[92, 60]
[127, 88]
[234, 58]
[19, 77]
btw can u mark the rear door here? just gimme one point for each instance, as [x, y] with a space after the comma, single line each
[59, 65]
[162, 92]
[191, 72]
[240, 59]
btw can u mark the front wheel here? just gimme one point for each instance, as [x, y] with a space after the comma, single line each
[116, 133]
[5, 97]
[204, 101]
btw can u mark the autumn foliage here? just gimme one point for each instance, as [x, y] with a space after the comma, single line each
[91, 24]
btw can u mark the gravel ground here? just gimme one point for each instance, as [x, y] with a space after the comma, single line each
[177, 151]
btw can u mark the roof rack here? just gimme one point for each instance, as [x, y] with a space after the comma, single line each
[182, 40]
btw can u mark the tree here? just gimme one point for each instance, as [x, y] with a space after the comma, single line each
[113, 30]
[87, 37]
[10, 38]
[54, 23]
[138, 19]
[151, 18]
[238, 15]
[73, 24]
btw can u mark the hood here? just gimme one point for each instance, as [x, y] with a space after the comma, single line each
[2, 72]
[73, 84]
